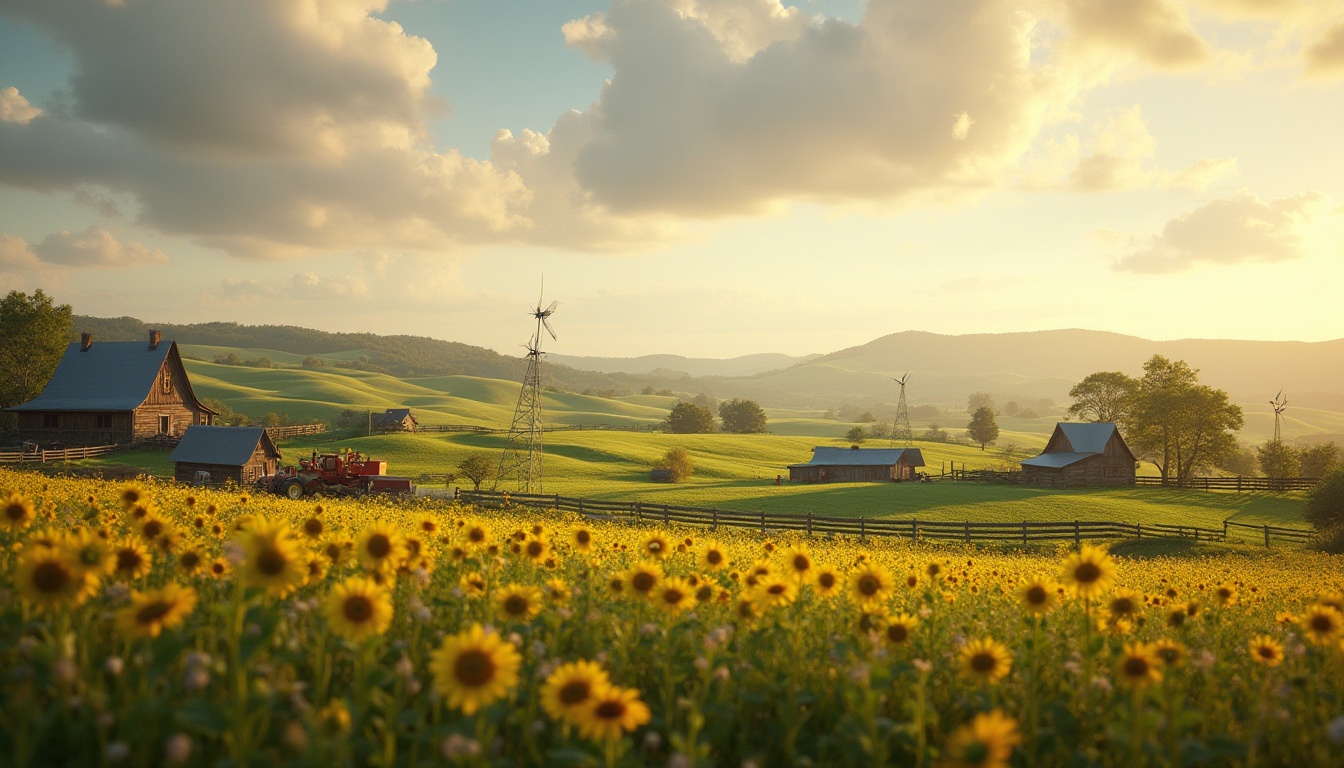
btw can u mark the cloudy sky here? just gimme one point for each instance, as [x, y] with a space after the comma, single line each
[702, 177]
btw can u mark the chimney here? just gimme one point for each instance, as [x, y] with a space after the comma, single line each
[154, 337]
[85, 341]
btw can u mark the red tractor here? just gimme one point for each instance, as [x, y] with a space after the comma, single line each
[335, 474]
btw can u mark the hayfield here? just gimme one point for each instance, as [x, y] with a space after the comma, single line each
[155, 624]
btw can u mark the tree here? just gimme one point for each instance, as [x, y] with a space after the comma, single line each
[678, 462]
[1242, 462]
[936, 434]
[224, 415]
[742, 417]
[856, 435]
[983, 429]
[313, 362]
[1180, 425]
[1104, 396]
[866, 417]
[1319, 459]
[34, 333]
[1278, 459]
[978, 400]
[478, 468]
[880, 430]
[1325, 509]
[690, 419]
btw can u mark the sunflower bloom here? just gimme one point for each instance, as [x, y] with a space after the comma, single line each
[1089, 572]
[357, 609]
[871, 584]
[272, 558]
[673, 595]
[827, 581]
[899, 628]
[570, 688]
[581, 539]
[1139, 666]
[1038, 595]
[777, 591]
[1172, 653]
[656, 546]
[985, 661]
[381, 547]
[88, 552]
[1266, 650]
[986, 742]
[517, 603]
[798, 563]
[46, 579]
[16, 512]
[1322, 624]
[643, 579]
[612, 712]
[474, 668]
[712, 557]
[155, 610]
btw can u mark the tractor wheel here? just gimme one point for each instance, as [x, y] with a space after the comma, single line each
[292, 489]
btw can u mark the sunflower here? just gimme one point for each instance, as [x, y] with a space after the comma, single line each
[472, 584]
[88, 552]
[985, 661]
[190, 562]
[536, 550]
[870, 584]
[868, 622]
[643, 579]
[1225, 594]
[16, 512]
[713, 557]
[1138, 666]
[986, 742]
[581, 539]
[1172, 653]
[357, 609]
[272, 558]
[152, 526]
[1038, 595]
[474, 668]
[570, 688]
[1322, 624]
[611, 712]
[45, 578]
[1123, 604]
[1266, 650]
[475, 534]
[899, 628]
[314, 528]
[827, 581]
[1088, 572]
[131, 559]
[336, 549]
[557, 591]
[427, 525]
[656, 545]
[798, 563]
[746, 610]
[218, 568]
[673, 595]
[777, 591]
[380, 547]
[155, 610]
[131, 494]
[517, 602]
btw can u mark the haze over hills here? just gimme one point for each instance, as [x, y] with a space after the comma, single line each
[745, 365]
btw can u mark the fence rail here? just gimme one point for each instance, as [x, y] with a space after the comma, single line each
[44, 455]
[280, 433]
[915, 529]
[1239, 484]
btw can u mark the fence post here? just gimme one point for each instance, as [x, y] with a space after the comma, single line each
[639, 513]
[809, 523]
[716, 521]
[1225, 522]
[1266, 535]
[580, 507]
[861, 529]
[557, 501]
[1077, 535]
[1138, 531]
[1024, 531]
[1238, 483]
[664, 514]
[762, 523]
[1196, 534]
[966, 529]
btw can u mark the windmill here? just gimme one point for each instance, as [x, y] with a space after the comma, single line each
[1280, 404]
[523, 451]
[900, 427]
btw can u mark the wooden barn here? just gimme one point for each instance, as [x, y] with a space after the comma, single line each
[113, 392]
[857, 465]
[218, 454]
[1082, 455]
[397, 420]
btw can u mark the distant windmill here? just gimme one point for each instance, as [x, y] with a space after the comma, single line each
[900, 428]
[1280, 404]
[523, 452]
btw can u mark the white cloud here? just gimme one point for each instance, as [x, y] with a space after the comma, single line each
[96, 247]
[340, 286]
[14, 108]
[1325, 54]
[16, 254]
[1158, 32]
[1228, 230]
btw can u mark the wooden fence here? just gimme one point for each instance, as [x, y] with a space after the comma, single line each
[914, 529]
[1239, 484]
[42, 456]
[280, 433]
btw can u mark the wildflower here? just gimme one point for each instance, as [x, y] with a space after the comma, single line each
[1123, 604]
[827, 582]
[131, 494]
[474, 668]
[334, 718]
[581, 539]
[1225, 594]
[612, 712]
[1088, 572]
[712, 557]
[643, 578]
[131, 559]
[1266, 650]
[557, 591]
[380, 547]
[1321, 624]
[656, 546]
[985, 661]
[90, 553]
[271, 557]
[1139, 666]
[46, 579]
[798, 563]
[536, 550]
[154, 610]
[517, 602]
[986, 742]
[673, 595]
[777, 591]
[870, 584]
[358, 608]
[1038, 595]
[899, 628]
[571, 687]
[16, 512]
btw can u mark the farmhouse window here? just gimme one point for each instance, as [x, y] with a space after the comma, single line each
[102, 421]
[51, 420]
[165, 424]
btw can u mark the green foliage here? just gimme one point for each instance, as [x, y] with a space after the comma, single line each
[866, 417]
[314, 362]
[1278, 459]
[936, 434]
[1241, 462]
[690, 419]
[224, 414]
[1104, 396]
[478, 468]
[742, 417]
[1319, 459]
[34, 332]
[880, 430]
[978, 400]
[1325, 503]
[1178, 424]
[678, 462]
[856, 435]
[983, 428]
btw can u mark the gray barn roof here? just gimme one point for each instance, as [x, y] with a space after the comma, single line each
[230, 446]
[396, 415]
[1088, 438]
[826, 456]
[1056, 460]
[108, 376]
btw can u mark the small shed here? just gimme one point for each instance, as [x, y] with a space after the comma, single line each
[397, 420]
[240, 454]
[1081, 455]
[857, 465]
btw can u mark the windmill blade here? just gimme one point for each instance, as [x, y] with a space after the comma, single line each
[552, 307]
[549, 329]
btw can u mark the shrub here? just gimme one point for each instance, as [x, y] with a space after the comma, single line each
[678, 462]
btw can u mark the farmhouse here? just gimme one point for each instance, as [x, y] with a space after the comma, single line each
[216, 454]
[397, 420]
[1082, 455]
[857, 465]
[113, 392]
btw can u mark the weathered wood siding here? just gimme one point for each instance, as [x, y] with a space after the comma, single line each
[1098, 470]
[261, 463]
[851, 474]
[75, 428]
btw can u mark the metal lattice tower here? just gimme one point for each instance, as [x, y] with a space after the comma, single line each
[521, 460]
[1280, 404]
[900, 427]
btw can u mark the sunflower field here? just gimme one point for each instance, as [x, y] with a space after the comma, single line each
[152, 624]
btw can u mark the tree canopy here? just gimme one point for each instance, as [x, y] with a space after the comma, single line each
[1278, 459]
[477, 467]
[983, 428]
[690, 419]
[1180, 425]
[678, 462]
[742, 416]
[1104, 396]
[34, 332]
